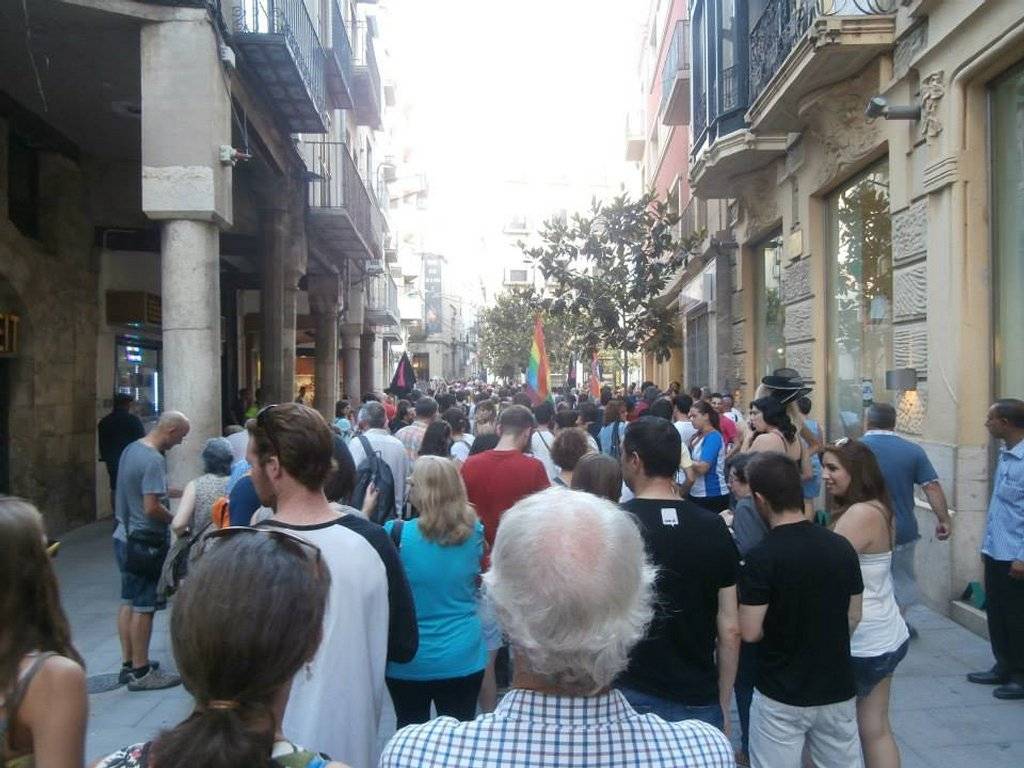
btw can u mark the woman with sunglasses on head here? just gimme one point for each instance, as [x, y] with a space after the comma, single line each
[237, 658]
[770, 429]
[863, 514]
[42, 683]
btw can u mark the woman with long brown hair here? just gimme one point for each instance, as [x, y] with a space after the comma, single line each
[708, 449]
[238, 657]
[42, 681]
[863, 514]
[441, 551]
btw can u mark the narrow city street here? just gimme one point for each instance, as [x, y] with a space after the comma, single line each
[940, 720]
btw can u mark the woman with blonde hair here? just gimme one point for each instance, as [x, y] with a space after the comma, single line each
[441, 551]
[42, 683]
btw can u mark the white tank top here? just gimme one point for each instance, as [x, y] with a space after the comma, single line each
[881, 628]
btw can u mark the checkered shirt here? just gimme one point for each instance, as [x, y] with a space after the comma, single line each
[535, 730]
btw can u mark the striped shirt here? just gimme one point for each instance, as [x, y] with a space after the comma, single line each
[1004, 532]
[535, 730]
[710, 448]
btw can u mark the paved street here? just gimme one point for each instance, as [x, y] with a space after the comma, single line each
[939, 718]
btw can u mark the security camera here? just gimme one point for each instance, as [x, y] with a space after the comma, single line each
[877, 107]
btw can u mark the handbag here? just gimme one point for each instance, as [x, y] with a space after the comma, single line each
[145, 552]
[180, 556]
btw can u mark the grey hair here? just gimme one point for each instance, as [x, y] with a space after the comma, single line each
[373, 414]
[217, 456]
[572, 587]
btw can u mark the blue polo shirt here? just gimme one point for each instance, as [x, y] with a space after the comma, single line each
[904, 464]
[1004, 530]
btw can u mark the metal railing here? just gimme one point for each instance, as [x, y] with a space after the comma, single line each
[700, 114]
[341, 47]
[694, 218]
[729, 79]
[289, 19]
[366, 56]
[677, 60]
[382, 296]
[784, 22]
[341, 186]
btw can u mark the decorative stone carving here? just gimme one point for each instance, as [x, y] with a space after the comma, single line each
[932, 91]
[796, 281]
[910, 347]
[738, 330]
[907, 48]
[799, 324]
[910, 233]
[910, 292]
[801, 358]
[758, 201]
[739, 369]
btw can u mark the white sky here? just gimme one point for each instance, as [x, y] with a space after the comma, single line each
[529, 89]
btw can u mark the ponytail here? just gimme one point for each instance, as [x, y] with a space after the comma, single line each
[238, 737]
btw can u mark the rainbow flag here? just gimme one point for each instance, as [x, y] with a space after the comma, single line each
[538, 379]
[595, 378]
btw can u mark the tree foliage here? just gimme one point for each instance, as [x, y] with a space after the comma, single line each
[604, 273]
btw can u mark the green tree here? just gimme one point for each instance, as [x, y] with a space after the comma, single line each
[605, 271]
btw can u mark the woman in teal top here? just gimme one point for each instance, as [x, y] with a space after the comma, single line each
[441, 552]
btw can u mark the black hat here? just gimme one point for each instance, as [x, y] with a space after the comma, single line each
[787, 383]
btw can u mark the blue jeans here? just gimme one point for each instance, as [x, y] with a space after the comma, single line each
[673, 711]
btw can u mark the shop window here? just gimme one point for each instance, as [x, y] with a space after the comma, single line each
[771, 315]
[859, 228]
[1007, 126]
[23, 186]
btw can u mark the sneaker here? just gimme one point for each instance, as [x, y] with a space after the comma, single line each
[125, 675]
[154, 680]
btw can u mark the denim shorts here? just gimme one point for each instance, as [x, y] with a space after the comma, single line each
[869, 671]
[136, 591]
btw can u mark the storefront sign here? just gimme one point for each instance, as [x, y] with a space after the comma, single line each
[9, 333]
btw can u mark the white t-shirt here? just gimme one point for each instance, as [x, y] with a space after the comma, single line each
[460, 448]
[540, 446]
[686, 430]
[336, 706]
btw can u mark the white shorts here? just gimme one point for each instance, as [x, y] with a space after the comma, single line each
[778, 732]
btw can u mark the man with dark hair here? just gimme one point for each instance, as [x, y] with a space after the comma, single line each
[370, 620]
[904, 464]
[544, 437]
[116, 431]
[673, 672]
[1003, 553]
[800, 598]
[590, 418]
[412, 436]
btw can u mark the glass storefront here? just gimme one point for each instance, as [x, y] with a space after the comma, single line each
[137, 372]
[859, 231]
[1007, 155]
[771, 316]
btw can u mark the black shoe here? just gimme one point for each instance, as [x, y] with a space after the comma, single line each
[125, 675]
[1011, 691]
[990, 677]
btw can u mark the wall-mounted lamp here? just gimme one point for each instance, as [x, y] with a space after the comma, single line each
[879, 106]
[901, 379]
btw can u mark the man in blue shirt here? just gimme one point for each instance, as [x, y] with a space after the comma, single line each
[904, 464]
[1003, 553]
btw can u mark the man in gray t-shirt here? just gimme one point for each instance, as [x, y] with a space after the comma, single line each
[141, 503]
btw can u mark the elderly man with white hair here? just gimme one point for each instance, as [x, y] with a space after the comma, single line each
[373, 423]
[573, 589]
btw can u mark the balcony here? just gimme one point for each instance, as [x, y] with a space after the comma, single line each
[712, 170]
[675, 78]
[345, 220]
[280, 47]
[635, 141]
[794, 51]
[339, 63]
[367, 81]
[382, 302]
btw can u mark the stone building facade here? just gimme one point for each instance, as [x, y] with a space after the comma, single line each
[875, 251]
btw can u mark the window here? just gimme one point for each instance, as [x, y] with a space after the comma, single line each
[728, 72]
[1007, 152]
[517, 275]
[771, 315]
[859, 229]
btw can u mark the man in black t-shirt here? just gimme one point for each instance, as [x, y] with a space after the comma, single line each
[672, 671]
[800, 597]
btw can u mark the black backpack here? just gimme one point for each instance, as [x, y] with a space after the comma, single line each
[374, 469]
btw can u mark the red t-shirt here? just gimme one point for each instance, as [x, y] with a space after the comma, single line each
[728, 429]
[496, 480]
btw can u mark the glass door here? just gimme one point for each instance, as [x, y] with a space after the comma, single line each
[137, 372]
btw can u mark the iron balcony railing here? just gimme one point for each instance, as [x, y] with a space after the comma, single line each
[700, 115]
[784, 22]
[730, 91]
[290, 20]
[341, 52]
[677, 62]
[341, 186]
[382, 300]
[694, 218]
[368, 82]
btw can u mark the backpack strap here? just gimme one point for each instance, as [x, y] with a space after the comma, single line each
[396, 532]
[371, 455]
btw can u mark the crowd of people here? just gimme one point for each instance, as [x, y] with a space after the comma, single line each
[575, 582]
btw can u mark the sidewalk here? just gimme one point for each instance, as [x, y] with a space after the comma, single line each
[940, 720]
